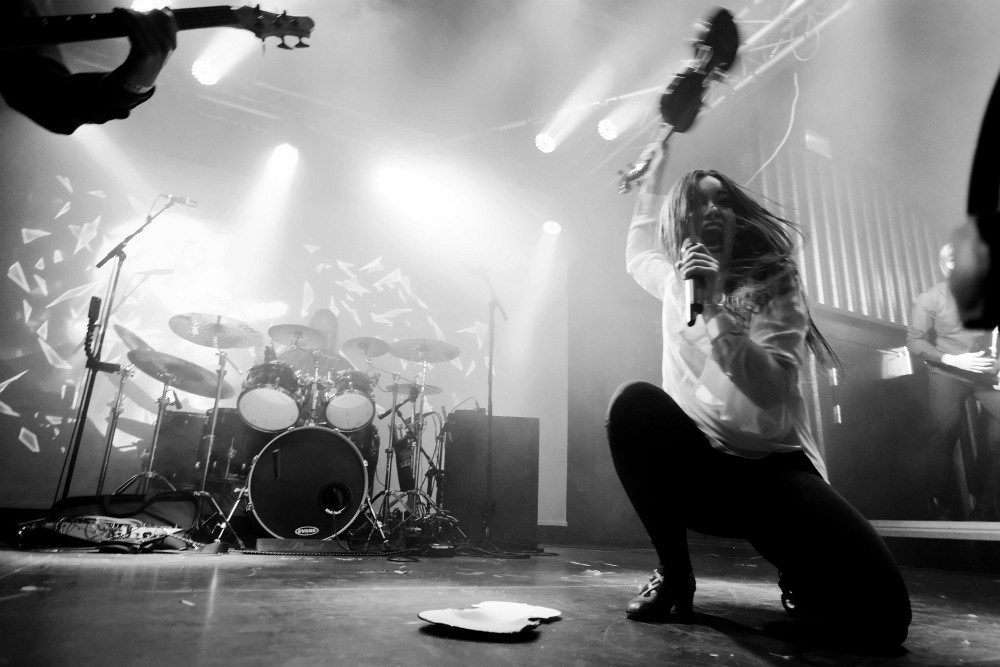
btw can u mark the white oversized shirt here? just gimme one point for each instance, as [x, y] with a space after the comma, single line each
[739, 382]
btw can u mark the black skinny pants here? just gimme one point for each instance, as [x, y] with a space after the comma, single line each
[827, 551]
[947, 396]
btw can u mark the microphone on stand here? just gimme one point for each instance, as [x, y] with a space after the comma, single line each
[183, 201]
[177, 401]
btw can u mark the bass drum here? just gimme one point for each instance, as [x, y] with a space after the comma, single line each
[309, 482]
[270, 399]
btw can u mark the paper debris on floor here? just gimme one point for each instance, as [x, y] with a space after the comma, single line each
[492, 616]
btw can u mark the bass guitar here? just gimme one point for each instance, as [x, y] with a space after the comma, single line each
[39, 30]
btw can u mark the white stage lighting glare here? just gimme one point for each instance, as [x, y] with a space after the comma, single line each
[205, 72]
[145, 5]
[607, 129]
[545, 143]
[286, 154]
[551, 227]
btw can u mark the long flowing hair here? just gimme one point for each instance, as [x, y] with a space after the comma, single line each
[762, 264]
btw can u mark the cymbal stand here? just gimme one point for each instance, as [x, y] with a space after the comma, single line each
[149, 473]
[208, 442]
[116, 410]
[389, 451]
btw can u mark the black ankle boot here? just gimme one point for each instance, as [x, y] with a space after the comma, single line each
[659, 596]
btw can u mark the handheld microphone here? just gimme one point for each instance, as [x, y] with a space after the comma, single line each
[691, 288]
[183, 201]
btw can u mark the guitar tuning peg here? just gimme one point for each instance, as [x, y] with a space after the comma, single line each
[301, 44]
[284, 45]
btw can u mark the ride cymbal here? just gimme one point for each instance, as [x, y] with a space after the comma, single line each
[216, 331]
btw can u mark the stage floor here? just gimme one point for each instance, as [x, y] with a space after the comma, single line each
[69, 608]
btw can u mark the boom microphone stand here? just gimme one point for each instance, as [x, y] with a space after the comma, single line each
[94, 363]
[490, 504]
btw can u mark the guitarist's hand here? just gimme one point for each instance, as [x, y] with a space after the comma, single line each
[977, 362]
[153, 36]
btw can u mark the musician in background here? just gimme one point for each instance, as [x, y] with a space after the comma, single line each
[937, 336]
[36, 81]
[724, 446]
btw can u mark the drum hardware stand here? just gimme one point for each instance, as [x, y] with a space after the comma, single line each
[94, 365]
[314, 391]
[209, 443]
[389, 451]
[149, 473]
[116, 410]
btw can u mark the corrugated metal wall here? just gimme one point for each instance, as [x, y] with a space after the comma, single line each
[865, 251]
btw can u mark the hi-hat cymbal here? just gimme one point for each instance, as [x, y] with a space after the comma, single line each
[131, 341]
[406, 387]
[371, 347]
[216, 331]
[178, 373]
[297, 335]
[424, 349]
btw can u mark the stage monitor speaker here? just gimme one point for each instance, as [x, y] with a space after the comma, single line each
[514, 480]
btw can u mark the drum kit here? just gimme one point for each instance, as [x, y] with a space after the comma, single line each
[301, 444]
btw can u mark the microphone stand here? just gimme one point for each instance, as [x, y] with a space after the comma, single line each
[490, 506]
[94, 363]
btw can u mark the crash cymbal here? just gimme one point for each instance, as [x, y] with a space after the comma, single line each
[216, 331]
[424, 349]
[179, 373]
[297, 335]
[405, 387]
[131, 341]
[371, 347]
[135, 427]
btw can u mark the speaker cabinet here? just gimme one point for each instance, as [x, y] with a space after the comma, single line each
[514, 482]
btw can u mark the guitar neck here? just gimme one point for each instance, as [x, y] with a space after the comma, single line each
[84, 27]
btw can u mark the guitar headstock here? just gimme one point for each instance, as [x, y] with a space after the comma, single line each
[268, 24]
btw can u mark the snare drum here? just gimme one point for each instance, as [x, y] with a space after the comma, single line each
[309, 482]
[270, 399]
[349, 405]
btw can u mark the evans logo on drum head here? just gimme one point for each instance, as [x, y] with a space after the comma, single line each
[305, 531]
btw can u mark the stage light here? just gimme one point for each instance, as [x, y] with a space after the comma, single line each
[551, 227]
[441, 210]
[205, 72]
[285, 155]
[225, 51]
[544, 142]
[607, 129]
[145, 5]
